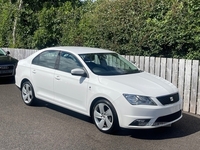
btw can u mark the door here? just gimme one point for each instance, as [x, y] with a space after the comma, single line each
[70, 91]
[42, 74]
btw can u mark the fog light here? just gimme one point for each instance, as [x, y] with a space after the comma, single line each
[140, 122]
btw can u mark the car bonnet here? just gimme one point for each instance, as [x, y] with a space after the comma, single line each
[7, 60]
[139, 83]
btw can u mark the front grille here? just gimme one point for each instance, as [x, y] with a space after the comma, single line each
[169, 99]
[168, 118]
[7, 70]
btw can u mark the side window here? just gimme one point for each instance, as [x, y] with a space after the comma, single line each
[68, 62]
[46, 59]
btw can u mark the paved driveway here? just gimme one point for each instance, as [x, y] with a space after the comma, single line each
[48, 127]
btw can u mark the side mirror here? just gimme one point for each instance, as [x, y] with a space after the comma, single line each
[135, 64]
[7, 53]
[79, 72]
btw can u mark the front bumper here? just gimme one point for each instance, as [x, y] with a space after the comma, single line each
[7, 70]
[147, 117]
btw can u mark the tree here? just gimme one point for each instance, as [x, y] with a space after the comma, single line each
[6, 15]
[15, 21]
[167, 28]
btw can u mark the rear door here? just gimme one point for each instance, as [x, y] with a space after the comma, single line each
[42, 74]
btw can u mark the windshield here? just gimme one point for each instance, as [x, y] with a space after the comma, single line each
[2, 52]
[108, 64]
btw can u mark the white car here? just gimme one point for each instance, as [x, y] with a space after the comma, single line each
[101, 84]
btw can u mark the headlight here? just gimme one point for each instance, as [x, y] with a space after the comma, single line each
[139, 100]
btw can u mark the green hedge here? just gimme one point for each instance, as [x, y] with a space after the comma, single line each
[167, 28]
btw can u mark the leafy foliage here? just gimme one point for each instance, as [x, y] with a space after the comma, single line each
[167, 28]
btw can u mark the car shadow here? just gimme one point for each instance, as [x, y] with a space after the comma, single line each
[65, 111]
[7, 80]
[189, 124]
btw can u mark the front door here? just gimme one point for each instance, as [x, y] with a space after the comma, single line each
[70, 91]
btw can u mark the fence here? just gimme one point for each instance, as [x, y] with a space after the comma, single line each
[20, 53]
[185, 74]
[181, 72]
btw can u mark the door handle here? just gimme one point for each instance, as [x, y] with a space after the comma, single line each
[57, 77]
[34, 71]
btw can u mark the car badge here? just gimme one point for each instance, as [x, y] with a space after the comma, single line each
[171, 99]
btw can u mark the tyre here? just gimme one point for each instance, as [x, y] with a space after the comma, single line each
[105, 117]
[27, 93]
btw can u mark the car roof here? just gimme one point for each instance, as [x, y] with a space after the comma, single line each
[79, 50]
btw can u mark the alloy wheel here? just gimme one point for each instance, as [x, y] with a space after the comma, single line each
[103, 116]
